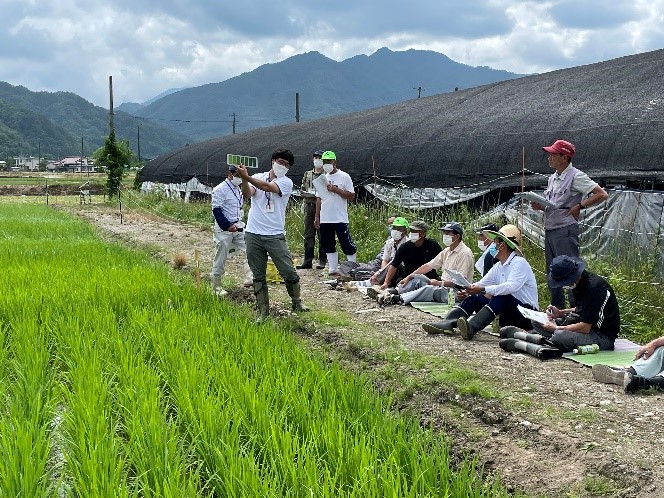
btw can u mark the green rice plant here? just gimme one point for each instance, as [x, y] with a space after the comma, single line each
[159, 462]
[95, 465]
[163, 390]
[27, 385]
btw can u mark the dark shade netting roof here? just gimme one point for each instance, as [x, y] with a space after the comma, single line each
[612, 111]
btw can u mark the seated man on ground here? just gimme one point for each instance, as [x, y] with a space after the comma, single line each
[363, 271]
[596, 317]
[416, 287]
[509, 283]
[398, 237]
[646, 372]
[418, 250]
[488, 248]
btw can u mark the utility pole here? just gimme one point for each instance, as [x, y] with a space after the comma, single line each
[297, 107]
[110, 108]
[233, 123]
[87, 166]
[419, 91]
[138, 140]
[39, 154]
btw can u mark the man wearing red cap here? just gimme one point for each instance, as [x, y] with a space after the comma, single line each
[570, 190]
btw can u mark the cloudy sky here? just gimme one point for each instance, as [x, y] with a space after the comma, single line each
[149, 46]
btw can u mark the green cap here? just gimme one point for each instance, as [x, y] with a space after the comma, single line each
[400, 222]
[328, 154]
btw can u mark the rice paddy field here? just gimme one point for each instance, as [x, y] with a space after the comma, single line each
[119, 378]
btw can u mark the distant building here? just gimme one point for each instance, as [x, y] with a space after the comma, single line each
[23, 163]
[74, 165]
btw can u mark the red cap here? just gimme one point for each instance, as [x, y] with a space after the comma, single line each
[560, 147]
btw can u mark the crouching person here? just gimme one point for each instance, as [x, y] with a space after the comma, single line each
[646, 372]
[509, 283]
[596, 317]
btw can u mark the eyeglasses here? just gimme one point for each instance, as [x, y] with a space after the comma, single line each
[283, 162]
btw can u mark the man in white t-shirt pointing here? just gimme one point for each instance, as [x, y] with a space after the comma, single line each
[332, 213]
[265, 232]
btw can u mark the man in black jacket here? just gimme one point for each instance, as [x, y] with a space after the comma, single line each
[596, 317]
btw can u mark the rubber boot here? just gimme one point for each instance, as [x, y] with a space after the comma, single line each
[512, 332]
[215, 281]
[307, 263]
[294, 293]
[446, 326]
[333, 263]
[471, 326]
[216, 285]
[536, 350]
[262, 300]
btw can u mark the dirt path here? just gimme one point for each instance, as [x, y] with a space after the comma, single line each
[552, 430]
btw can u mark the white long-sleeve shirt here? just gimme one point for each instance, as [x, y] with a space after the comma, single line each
[513, 277]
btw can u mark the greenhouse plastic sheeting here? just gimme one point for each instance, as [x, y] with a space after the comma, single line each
[628, 224]
[423, 198]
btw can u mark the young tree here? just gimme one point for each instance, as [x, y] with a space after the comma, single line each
[114, 156]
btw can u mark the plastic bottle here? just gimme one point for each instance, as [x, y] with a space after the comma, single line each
[587, 349]
[450, 297]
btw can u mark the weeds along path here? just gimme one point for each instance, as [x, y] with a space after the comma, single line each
[546, 427]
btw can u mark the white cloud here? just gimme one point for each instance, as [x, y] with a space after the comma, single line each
[150, 46]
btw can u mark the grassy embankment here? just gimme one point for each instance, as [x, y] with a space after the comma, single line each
[120, 379]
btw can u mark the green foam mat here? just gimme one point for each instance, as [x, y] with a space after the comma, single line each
[621, 356]
[436, 309]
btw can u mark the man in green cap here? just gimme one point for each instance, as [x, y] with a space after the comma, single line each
[332, 213]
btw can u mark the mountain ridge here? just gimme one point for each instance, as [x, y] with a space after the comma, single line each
[265, 96]
[53, 124]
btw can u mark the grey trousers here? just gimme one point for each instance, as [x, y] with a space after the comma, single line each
[561, 242]
[566, 340]
[418, 290]
[225, 242]
[259, 247]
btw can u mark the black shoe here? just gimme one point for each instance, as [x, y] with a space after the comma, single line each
[320, 266]
[304, 266]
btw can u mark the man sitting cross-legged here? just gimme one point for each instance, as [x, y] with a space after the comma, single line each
[417, 287]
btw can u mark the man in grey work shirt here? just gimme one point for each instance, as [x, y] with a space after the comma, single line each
[570, 190]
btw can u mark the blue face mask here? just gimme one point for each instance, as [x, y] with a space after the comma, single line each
[493, 250]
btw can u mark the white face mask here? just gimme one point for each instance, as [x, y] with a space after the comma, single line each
[396, 234]
[481, 244]
[279, 170]
[413, 236]
[236, 180]
[318, 164]
[328, 168]
[447, 240]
